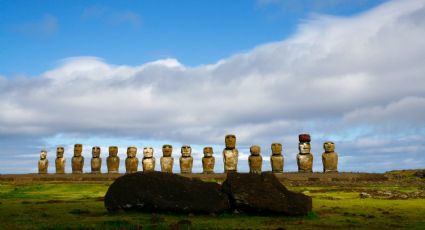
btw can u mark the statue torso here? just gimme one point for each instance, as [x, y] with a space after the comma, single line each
[96, 164]
[305, 162]
[113, 164]
[208, 164]
[167, 164]
[77, 164]
[330, 162]
[277, 163]
[148, 164]
[43, 165]
[255, 164]
[186, 164]
[230, 158]
[131, 164]
[60, 165]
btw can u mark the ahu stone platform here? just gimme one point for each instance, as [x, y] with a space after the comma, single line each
[287, 177]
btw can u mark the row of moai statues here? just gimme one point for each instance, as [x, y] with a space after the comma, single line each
[230, 158]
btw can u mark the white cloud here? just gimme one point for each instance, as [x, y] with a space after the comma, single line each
[350, 79]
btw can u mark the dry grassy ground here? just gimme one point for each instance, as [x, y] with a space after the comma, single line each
[398, 204]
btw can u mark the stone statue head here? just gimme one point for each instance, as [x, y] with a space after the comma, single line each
[276, 148]
[78, 149]
[329, 146]
[113, 151]
[304, 137]
[59, 152]
[167, 150]
[186, 150]
[255, 150]
[230, 141]
[131, 151]
[304, 147]
[95, 151]
[147, 152]
[43, 154]
[208, 151]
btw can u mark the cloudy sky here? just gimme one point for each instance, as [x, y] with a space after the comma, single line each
[156, 72]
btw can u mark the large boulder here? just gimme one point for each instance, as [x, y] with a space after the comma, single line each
[165, 192]
[420, 174]
[263, 193]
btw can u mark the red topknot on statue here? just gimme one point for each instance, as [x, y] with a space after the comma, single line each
[304, 137]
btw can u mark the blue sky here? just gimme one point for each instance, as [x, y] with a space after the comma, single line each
[35, 35]
[147, 73]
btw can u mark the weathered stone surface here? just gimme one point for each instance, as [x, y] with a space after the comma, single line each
[263, 193]
[156, 191]
[420, 174]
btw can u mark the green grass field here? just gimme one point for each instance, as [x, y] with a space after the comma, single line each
[80, 206]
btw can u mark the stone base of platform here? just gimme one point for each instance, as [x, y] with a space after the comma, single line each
[283, 177]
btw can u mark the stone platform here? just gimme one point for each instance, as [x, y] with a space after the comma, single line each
[287, 177]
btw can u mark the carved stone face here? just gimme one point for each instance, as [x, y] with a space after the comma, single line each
[230, 141]
[329, 146]
[208, 151]
[186, 150]
[148, 152]
[43, 154]
[255, 150]
[276, 148]
[304, 147]
[113, 151]
[167, 150]
[78, 149]
[59, 152]
[95, 151]
[131, 151]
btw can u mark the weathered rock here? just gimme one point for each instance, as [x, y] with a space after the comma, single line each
[364, 195]
[263, 193]
[420, 174]
[166, 192]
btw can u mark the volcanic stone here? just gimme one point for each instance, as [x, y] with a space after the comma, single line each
[420, 174]
[263, 193]
[165, 192]
[304, 137]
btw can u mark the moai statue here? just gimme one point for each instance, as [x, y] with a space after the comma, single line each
[131, 162]
[148, 161]
[113, 161]
[208, 160]
[167, 160]
[186, 160]
[96, 161]
[60, 160]
[255, 159]
[230, 154]
[276, 159]
[329, 158]
[43, 163]
[304, 157]
[77, 159]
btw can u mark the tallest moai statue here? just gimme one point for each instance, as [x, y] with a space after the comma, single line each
[230, 154]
